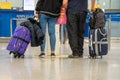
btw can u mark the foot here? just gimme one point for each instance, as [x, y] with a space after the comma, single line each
[75, 56]
[42, 55]
[53, 55]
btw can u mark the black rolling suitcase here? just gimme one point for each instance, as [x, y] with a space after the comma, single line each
[98, 42]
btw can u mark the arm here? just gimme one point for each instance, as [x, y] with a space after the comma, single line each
[65, 2]
[92, 5]
[39, 4]
[37, 7]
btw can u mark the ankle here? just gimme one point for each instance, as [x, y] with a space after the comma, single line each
[42, 51]
[52, 51]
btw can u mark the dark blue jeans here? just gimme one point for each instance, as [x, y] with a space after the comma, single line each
[75, 26]
[47, 21]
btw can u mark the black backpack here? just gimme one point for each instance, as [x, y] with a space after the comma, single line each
[97, 19]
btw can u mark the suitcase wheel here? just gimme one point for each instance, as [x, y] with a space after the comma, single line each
[11, 52]
[15, 55]
[92, 57]
[22, 56]
[18, 56]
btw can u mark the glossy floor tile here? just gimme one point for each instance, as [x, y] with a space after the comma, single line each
[60, 68]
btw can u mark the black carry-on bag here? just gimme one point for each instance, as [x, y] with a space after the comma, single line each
[97, 19]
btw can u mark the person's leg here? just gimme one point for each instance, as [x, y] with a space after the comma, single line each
[51, 31]
[72, 27]
[65, 33]
[43, 22]
[62, 33]
[82, 20]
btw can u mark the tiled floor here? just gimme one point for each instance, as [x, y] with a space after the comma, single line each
[60, 68]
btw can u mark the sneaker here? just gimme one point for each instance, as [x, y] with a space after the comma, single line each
[75, 56]
[53, 55]
[42, 55]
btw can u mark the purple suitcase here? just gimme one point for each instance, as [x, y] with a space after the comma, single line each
[19, 41]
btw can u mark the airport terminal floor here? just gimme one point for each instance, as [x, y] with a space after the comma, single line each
[60, 68]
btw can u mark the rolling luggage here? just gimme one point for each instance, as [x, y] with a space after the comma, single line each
[98, 42]
[19, 41]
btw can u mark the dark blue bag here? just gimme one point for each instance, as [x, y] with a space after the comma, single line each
[98, 42]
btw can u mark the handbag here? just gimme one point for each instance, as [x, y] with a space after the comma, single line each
[62, 18]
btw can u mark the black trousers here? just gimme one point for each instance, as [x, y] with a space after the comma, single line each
[75, 25]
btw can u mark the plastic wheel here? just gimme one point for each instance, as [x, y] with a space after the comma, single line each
[10, 52]
[101, 57]
[15, 55]
[22, 56]
[19, 55]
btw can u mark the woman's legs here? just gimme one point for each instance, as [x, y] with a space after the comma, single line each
[43, 22]
[51, 31]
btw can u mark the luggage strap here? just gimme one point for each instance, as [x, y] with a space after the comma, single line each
[21, 39]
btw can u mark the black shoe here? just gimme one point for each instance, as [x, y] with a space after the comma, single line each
[75, 56]
[53, 55]
[81, 55]
[42, 55]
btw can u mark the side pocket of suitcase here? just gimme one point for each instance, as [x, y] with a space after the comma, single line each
[103, 42]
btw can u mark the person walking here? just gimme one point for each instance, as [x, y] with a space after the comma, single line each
[47, 11]
[76, 19]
